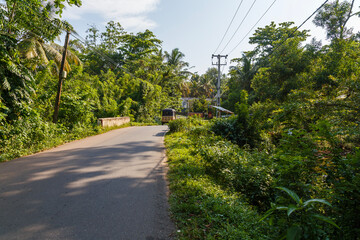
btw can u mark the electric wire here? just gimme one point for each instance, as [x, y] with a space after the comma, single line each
[105, 56]
[267, 10]
[83, 41]
[227, 30]
[239, 26]
[292, 34]
[289, 36]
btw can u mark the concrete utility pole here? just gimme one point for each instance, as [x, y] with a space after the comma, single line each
[219, 64]
[61, 79]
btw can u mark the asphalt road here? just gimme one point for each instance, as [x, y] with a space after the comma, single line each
[109, 186]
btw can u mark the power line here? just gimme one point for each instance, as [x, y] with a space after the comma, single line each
[83, 41]
[229, 26]
[253, 27]
[105, 56]
[289, 36]
[239, 25]
[292, 34]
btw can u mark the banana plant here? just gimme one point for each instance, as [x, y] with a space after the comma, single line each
[301, 216]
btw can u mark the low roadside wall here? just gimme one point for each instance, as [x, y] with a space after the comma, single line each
[196, 113]
[110, 122]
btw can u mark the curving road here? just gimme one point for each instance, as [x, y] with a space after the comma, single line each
[109, 186]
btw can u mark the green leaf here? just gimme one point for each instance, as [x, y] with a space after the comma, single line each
[292, 194]
[326, 219]
[291, 209]
[294, 233]
[317, 201]
[268, 213]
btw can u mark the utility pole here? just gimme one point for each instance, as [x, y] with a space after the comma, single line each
[219, 64]
[62, 75]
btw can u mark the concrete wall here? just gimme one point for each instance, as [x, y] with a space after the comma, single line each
[195, 113]
[110, 122]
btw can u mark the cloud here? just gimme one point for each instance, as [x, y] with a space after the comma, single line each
[132, 14]
[136, 23]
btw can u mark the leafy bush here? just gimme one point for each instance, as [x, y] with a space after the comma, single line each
[312, 169]
[178, 125]
[301, 219]
[235, 169]
[225, 127]
[240, 129]
[25, 136]
[236, 131]
[185, 124]
[202, 207]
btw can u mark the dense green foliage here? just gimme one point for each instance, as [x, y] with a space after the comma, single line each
[205, 167]
[201, 204]
[113, 73]
[297, 127]
[292, 148]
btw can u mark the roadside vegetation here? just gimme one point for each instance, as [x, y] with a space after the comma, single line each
[109, 74]
[291, 187]
[26, 138]
[287, 164]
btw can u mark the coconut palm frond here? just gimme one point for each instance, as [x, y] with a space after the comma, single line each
[70, 56]
[67, 67]
[57, 47]
[52, 53]
[5, 84]
[12, 68]
[27, 48]
[41, 52]
[73, 59]
[13, 97]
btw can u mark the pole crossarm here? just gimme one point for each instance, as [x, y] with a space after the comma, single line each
[219, 59]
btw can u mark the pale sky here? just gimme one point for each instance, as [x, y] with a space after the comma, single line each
[196, 27]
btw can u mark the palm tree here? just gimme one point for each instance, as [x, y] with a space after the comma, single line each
[175, 60]
[195, 86]
[207, 87]
[35, 36]
[185, 88]
[39, 53]
[243, 73]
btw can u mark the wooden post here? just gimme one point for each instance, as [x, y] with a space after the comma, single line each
[61, 79]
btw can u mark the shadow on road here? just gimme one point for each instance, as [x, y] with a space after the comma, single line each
[115, 192]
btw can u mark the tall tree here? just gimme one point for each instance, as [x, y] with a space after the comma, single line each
[18, 20]
[37, 16]
[112, 37]
[281, 60]
[333, 17]
[175, 59]
[267, 39]
[16, 81]
[240, 79]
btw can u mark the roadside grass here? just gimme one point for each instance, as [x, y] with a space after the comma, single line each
[29, 138]
[201, 208]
